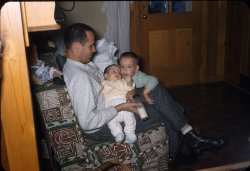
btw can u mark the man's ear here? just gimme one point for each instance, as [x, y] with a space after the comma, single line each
[75, 46]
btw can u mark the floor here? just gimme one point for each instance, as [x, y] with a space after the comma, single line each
[218, 109]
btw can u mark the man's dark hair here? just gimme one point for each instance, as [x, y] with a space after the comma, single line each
[130, 55]
[76, 33]
[108, 68]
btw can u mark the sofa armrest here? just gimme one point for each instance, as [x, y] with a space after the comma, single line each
[64, 133]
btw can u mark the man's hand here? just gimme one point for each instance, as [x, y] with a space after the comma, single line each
[130, 107]
[130, 95]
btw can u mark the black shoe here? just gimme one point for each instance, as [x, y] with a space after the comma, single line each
[197, 143]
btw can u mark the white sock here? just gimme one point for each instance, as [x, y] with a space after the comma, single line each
[186, 128]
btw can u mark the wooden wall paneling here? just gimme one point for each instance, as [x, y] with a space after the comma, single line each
[213, 38]
[204, 28]
[237, 60]
[16, 105]
[229, 41]
[238, 41]
[221, 39]
[233, 43]
[244, 25]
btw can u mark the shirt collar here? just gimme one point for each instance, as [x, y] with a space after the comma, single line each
[89, 67]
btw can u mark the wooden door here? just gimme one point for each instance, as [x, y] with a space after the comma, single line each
[167, 34]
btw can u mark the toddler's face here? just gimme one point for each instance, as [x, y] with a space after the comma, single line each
[114, 73]
[128, 67]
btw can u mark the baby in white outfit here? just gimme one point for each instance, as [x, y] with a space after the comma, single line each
[114, 90]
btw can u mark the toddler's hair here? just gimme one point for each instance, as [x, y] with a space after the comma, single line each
[130, 55]
[108, 68]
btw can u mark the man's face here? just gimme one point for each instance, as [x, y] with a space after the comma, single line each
[87, 49]
[128, 67]
[113, 74]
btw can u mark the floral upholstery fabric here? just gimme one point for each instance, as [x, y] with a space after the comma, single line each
[72, 151]
[64, 134]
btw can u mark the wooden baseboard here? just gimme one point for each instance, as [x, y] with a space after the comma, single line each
[237, 86]
[230, 167]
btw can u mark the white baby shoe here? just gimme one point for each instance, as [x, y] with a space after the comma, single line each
[119, 137]
[131, 138]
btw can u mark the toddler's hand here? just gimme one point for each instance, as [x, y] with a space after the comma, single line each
[148, 99]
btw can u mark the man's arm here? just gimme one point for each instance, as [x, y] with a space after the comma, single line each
[131, 107]
[86, 97]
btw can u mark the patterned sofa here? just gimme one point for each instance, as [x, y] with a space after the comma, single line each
[70, 150]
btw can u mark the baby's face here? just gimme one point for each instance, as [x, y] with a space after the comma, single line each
[113, 74]
[128, 67]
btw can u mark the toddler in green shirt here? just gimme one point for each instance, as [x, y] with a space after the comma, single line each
[129, 63]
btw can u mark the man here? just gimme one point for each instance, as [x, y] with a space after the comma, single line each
[83, 83]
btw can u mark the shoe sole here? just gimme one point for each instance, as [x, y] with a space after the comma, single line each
[197, 152]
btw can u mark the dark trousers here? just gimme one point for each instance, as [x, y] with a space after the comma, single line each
[165, 109]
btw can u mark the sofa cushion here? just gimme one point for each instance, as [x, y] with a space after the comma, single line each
[150, 151]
